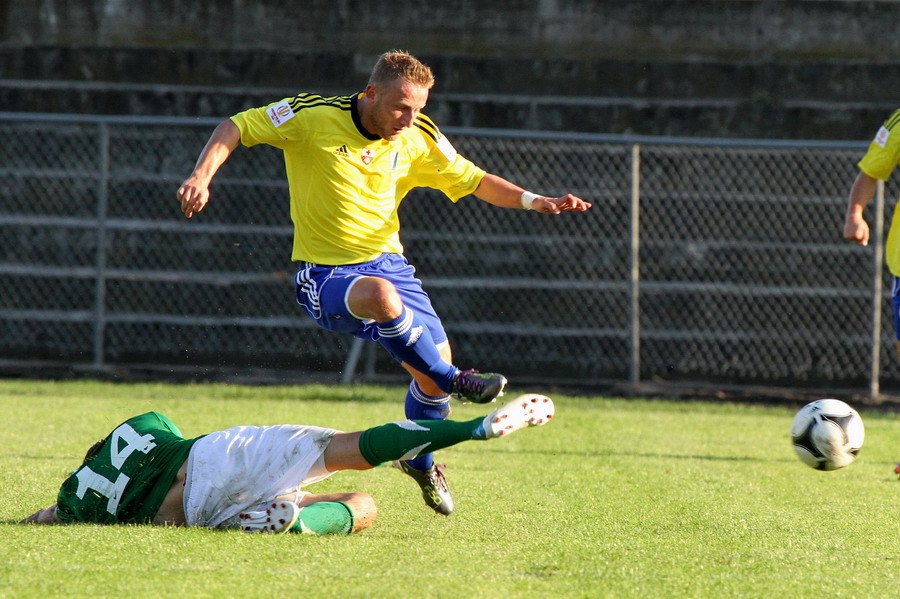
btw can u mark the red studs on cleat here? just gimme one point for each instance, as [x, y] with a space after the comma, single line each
[524, 411]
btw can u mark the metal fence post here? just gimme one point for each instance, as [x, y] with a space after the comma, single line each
[635, 264]
[102, 213]
[878, 262]
[352, 361]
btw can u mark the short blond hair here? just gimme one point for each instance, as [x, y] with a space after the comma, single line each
[398, 64]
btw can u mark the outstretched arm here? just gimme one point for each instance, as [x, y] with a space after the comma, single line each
[194, 192]
[855, 226]
[500, 192]
[44, 516]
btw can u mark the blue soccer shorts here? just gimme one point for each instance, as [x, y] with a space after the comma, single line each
[322, 291]
[895, 304]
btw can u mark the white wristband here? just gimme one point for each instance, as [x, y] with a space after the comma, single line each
[527, 199]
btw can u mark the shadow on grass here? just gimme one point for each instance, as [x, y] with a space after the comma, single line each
[631, 454]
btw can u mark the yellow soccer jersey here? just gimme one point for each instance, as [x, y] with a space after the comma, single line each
[345, 183]
[879, 162]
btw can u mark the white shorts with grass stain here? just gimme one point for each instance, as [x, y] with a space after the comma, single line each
[233, 470]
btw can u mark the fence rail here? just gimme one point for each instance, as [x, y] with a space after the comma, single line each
[703, 261]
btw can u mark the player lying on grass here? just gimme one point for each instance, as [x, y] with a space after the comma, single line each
[146, 472]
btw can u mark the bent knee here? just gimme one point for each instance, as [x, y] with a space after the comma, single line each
[375, 298]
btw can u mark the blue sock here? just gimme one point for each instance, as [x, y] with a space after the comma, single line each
[410, 341]
[424, 407]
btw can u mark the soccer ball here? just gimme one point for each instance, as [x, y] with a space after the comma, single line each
[827, 434]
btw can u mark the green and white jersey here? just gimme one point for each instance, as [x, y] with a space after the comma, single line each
[127, 478]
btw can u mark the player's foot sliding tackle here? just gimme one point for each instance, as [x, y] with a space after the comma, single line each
[524, 411]
[396, 442]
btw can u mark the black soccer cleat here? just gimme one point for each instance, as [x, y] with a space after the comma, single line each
[434, 487]
[478, 387]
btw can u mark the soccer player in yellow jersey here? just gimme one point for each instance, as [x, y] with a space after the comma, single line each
[350, 161]
[878, 163]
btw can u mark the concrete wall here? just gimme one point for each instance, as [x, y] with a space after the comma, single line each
[728, 68]
[834, 80]
[547, 28]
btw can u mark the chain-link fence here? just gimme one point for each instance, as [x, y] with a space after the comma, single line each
[702, 261]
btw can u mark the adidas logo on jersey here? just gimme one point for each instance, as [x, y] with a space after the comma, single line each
[342, 152]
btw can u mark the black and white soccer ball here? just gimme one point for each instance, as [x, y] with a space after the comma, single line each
[827, 434]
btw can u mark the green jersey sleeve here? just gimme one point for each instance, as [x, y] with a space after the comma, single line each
[126, 479]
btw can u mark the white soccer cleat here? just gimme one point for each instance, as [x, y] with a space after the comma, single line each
[274, 516]
[526, 410]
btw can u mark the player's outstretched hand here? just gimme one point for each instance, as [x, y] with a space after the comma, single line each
[558, 205]
[44, 516]
[193, 197]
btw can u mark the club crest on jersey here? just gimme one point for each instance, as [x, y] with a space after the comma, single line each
[882, 137]
[367, 155]
[280, 113]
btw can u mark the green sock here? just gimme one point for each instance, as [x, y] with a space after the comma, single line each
[406, 439]
[325, 518]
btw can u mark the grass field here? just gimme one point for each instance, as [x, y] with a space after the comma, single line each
[614, 498]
